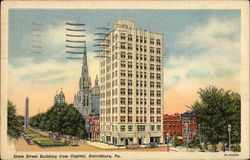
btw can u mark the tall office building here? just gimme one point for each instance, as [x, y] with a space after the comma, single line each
[131, 85]
[26, 117]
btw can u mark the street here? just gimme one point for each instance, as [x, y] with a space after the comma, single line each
[22, 146]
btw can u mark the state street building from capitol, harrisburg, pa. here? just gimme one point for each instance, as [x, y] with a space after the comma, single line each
[131, 86]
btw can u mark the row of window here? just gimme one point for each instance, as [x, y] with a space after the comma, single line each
[138, 57]
[129, 128]
[130, 119]
[130, 101]
[129, 110]
[140, 92]
[129, 37]
[141, 48]
[173, 131]
[173, 125]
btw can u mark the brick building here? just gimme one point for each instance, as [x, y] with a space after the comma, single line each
[94, 125]
[189, 126]
[172, 124]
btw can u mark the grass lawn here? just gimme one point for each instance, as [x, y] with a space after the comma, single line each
[43, 141]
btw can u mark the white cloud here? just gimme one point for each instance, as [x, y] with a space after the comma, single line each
[218, 60]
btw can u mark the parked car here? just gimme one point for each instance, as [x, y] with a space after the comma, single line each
[133, 146]
[151, 145]
[57, 139]
[74, 143]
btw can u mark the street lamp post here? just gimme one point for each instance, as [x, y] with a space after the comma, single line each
[229, 131]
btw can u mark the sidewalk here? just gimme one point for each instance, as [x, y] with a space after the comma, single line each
[101, 145]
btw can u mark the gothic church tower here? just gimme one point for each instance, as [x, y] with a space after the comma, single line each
[82, 100]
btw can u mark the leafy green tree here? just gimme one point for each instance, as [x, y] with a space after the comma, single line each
[216, 109]
[61, 118]
[175, 141]
[15, 123]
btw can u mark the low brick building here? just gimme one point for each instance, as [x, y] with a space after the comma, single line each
[94, 123]
[172, 125]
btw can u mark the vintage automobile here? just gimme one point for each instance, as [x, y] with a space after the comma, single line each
[151, 145]
[74, 143]
[133, 146]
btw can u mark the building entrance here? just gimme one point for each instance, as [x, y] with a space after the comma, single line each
[139, 141]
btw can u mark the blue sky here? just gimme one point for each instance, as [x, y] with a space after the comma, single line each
[203, 46]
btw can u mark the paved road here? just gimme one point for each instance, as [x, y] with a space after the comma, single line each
[22, 145]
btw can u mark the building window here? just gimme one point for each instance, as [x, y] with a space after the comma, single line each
[152, 40]
[130, 74]
[152, 128]
[152, 58]
[137, 118]
[158, 84]
[123, 82]
[123, 64]
[158, 76]
[158, 127]
[152, 67]
[130, 118]
[123, 73]
[130, 83]
[140, 128]
[158, 42]
[130, 37]
[152, 50]
[152, 101]
[123, 36]
[152, 84]
[158, 67]
[158, 119]
[130, 100]
[158, 93]
[130, 128]
[122, 118]
[152, 119]
[123, 109]
[130, 91]
[123, 55]
[152, 93]
[158, 51]
[158, 59]
[122, 128]
[123, 45]
[130, 110]
[152, 76]
[152, 110]
[130, 46]
[123, 91]
[158, 111]
[130, 55]
[123, 100]
[130, 65]
[158, 102]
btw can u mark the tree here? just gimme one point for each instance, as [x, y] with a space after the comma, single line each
[176, 141]
[216, 109]
[61, 118]
[15, 123]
